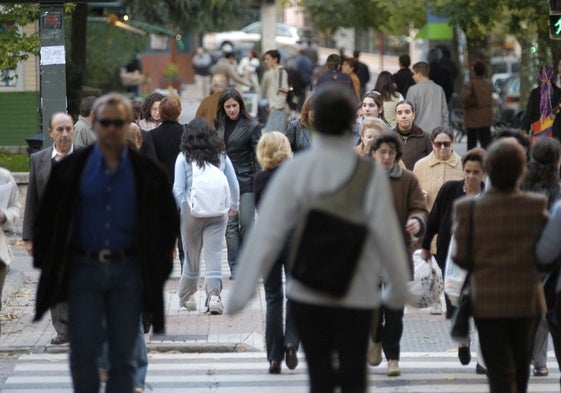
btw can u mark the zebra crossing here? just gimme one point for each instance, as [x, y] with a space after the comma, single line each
[247, 373]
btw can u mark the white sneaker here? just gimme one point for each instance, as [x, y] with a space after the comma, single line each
[191, 304]
[393, 368]
[374, 355]
[215, 305]
[436, 309]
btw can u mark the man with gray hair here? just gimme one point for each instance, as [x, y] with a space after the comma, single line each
[61, 131]
[207, 108]
[83, 133]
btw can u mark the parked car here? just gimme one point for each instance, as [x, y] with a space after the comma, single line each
[288, 38]
[510, 99]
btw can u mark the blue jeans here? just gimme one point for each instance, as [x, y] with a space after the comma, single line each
[141, 358]
[238, 227]
[276, 121]
[275, 339]
[104, 303]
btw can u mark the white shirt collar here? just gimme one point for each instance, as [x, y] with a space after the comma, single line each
[56, 152]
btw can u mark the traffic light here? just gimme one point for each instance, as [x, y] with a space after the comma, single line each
[555, 19]
[555, 27]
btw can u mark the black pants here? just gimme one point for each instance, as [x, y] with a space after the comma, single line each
[481, 133]
[506, 345]
[389, 332]
[335, 340]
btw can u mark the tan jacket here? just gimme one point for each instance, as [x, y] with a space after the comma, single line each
[506, 226]
[433, 173]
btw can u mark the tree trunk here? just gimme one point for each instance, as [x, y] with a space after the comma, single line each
[478, 48]
[527, 72]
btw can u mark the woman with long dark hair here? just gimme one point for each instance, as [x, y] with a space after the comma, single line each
[240, 134]
[390, 96]
[201, 146]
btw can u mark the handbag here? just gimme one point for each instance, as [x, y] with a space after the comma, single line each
[454, 275]
[543, 127]
[330, 236]
[464, 311]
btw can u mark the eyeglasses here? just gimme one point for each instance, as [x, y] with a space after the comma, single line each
[442, 144]
[108, 122]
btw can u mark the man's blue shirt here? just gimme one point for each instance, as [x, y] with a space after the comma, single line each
[106, 215]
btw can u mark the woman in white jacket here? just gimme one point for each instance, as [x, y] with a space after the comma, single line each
[200, 146]
[323, 320]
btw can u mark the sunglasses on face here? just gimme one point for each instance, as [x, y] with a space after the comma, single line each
[443, 144]
[108, 122]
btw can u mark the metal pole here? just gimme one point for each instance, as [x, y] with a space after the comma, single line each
[52, 66]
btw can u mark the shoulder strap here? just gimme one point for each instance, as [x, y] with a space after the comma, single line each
[354, 189]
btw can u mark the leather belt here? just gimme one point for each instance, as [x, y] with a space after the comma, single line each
[104, 256]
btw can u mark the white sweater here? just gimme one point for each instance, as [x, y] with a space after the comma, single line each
[322, 169]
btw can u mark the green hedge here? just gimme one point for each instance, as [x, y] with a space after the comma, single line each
[19, 117]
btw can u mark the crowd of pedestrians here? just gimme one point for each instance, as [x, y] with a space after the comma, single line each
[105, 222]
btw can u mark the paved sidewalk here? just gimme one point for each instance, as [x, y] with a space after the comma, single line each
[186, 331]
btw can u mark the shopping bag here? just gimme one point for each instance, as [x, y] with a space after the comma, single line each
[454, 276]
[427, 284]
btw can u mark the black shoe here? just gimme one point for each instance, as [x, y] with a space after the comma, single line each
[291, 358]
[464, 354]
[274, 367]
[479, 369]
[541, 371]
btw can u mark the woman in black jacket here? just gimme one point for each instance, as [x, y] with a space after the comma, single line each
[241, 134]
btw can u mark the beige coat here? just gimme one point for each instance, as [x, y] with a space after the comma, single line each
[12, 212]
[433, 173]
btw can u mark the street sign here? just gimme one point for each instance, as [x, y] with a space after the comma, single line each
[555, 27]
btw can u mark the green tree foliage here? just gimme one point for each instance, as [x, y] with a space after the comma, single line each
[386, 16]
[110, 48]
[15, 46]
[188, 15]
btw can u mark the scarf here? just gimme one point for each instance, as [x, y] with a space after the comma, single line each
[546, 90]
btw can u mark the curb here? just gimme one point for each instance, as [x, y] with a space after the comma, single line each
[151, 347]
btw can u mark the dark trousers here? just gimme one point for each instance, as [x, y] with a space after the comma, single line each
[389, 332]
[553, 322]
[506, 344]
[335, 340]
[276, 340]
[481, 133]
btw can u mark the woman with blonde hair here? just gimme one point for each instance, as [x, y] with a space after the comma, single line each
[274, 148]
[299, 131]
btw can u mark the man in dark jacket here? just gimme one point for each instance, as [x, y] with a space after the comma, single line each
[103, 239]
[404, 77]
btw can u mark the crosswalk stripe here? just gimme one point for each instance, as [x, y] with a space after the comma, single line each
[431, 372]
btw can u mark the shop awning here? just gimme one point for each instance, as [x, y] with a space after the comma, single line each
[436, 31]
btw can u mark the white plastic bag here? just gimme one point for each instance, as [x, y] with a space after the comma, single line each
[427, 285]
[454, 276]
